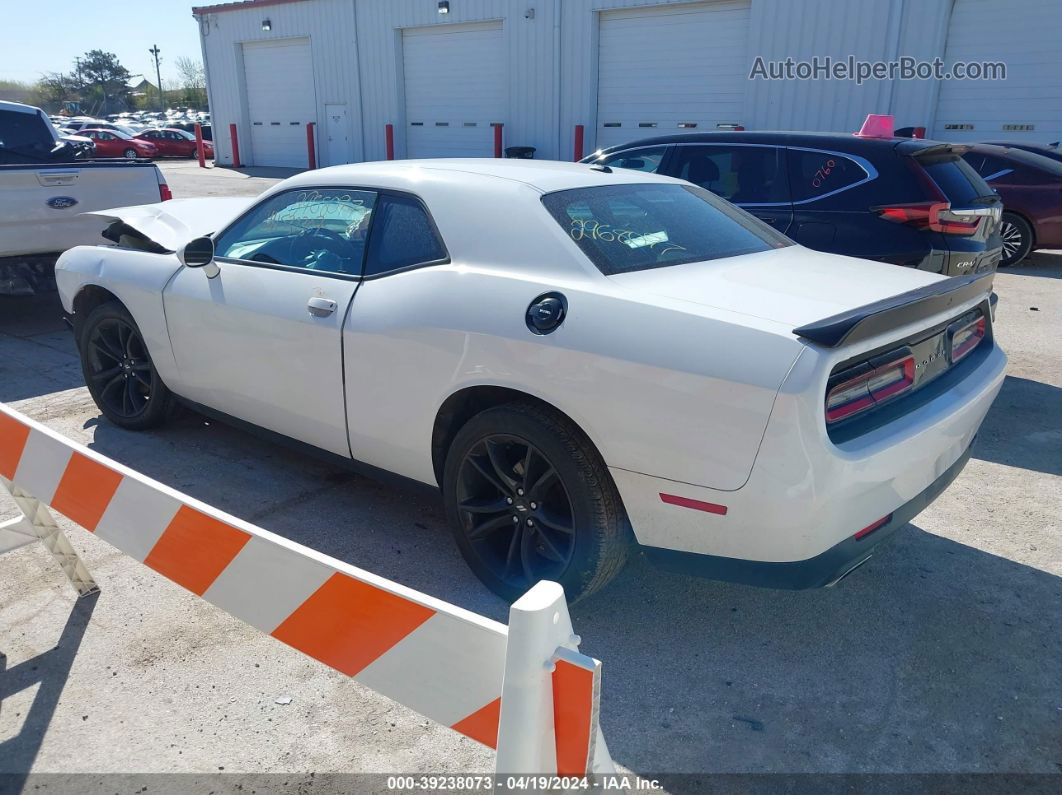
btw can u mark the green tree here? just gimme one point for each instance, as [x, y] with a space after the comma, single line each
[102, 82]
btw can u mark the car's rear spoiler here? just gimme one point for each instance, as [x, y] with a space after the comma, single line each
[918, 148]
[899, 310]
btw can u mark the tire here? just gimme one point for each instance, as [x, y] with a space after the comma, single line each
[487, 468]
[130, 154]
[1017, 238]
[118, 370]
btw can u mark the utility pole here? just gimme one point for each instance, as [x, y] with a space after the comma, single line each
[158, 75]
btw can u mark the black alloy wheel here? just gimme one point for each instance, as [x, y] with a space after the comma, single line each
[515, 511]
[118, 369]
[529, 498]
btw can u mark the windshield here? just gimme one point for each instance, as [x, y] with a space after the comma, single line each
[633, 227]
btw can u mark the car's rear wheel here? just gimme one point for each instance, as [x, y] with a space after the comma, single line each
[1017, 237]
[530, 499]
[118, 369]
[130, 154]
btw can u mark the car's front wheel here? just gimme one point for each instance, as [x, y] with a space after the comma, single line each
[130, 154]
[1017, 237]
[529, 498]
[118, 369]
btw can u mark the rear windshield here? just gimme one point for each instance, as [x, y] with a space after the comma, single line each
[957, 178]
[624, 228]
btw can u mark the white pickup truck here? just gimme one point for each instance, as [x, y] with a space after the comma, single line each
[43, 203]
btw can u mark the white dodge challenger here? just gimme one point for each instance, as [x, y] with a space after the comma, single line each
[587, 362]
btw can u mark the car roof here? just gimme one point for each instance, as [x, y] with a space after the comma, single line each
[1022, 156]
[838, 140]
[18, 107]
[544, 176]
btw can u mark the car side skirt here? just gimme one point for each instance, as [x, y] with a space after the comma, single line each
[341, 462]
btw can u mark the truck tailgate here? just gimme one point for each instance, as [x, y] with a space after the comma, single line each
[41, 206]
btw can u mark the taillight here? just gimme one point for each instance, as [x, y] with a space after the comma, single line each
[965, 335]
[164, 192]
[934, 216]
[869, 389]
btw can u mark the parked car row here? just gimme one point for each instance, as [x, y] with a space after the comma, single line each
[150, 143]
[145, 127]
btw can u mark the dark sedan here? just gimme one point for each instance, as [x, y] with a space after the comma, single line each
[1031, 188]
[910, 202]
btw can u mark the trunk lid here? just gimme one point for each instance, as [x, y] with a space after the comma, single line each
[793, 286]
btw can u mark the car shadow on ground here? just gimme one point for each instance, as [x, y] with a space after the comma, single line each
[37, 351]
[933, 656]
[1035, 408]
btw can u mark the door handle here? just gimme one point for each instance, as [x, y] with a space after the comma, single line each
[321, 307]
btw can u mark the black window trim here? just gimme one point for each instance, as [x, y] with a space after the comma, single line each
[346, 277]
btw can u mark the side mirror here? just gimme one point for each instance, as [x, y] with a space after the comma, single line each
[199, 253]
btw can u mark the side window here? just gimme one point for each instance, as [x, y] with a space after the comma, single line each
[741, 174]
[318, 229]
[22, 130]
[813, 174]
[647, 159]
[402, 236]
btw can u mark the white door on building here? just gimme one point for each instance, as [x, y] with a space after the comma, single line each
[662, 70]
[1025, 37]
[456, 84]
[337, 136]
[280, 100]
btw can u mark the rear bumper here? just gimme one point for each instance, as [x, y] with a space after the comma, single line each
[816, 572]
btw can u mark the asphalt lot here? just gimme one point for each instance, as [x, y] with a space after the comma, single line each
[942, 654]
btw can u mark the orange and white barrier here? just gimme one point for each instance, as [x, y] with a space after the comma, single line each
[523, 689]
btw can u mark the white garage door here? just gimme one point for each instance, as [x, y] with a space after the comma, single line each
[663, 70]
[1024, 35]
[280, 100]
[455, 79]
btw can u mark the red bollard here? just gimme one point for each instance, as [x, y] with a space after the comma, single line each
[579, 131]
[200, 150]
[235, 146]
[389, 134]
[311, 147]
[498, 138]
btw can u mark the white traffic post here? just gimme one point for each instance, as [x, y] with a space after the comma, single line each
[38, 524]
[540, 637]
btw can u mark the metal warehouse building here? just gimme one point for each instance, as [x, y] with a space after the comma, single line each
[443, 73]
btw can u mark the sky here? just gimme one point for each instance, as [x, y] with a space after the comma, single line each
[46, 36]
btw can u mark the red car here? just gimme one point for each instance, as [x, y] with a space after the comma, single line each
[174, 143]
[111, 143]
[1031, 188]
